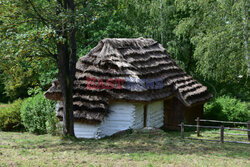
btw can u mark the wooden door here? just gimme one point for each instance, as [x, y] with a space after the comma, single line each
[173, 113]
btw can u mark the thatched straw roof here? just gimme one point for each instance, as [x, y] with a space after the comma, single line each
[54, 92]
[138, 58]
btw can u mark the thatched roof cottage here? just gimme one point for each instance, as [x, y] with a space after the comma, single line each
[130, 83]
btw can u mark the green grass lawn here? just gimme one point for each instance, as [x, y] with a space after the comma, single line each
[137, 148]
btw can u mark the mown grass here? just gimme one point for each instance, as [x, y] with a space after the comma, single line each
[134, 148]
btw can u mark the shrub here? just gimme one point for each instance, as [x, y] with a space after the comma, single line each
[227, 109]
[38, 115]
[10, 118]
[52, 124]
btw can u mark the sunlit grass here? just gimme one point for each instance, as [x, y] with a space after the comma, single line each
[137, 148]
[229, 135]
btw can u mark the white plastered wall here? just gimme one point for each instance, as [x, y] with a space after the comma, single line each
[123, 116]
[83, 130]
[155, 114]
[138, 116]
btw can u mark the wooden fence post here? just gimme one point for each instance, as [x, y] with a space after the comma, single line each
[198, 126]
[248, 128]
[222, 134]
[182, 130]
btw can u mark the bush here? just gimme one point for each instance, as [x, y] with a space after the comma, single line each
[227, 109]
[10, 118]
[38, 115]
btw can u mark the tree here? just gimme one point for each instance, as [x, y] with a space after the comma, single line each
[66, 60]
[208, 39]
[57, 18]
[157, 20]
[25, 51]
[217, 29]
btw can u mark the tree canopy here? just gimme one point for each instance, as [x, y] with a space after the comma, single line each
[208, 38]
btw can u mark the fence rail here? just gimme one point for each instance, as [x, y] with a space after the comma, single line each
[228, 122]
[222, 128]
[217, 127]
[234, 134]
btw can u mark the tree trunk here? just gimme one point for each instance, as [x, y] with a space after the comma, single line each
[245, 34]
[66, 65]
[72, 64]
[66, 82]
[161, 24]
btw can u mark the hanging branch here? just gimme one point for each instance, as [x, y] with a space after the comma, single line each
[38, 14]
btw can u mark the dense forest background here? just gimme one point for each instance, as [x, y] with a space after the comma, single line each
[207, 38]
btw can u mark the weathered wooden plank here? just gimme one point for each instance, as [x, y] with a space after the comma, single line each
[216, 121]
[222, 134]
[198, 127]
[182, 130]
[234, 134]
[217, 127]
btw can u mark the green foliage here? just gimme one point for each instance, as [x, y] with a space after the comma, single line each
[216, 29]
[206, 38]
[25, 49]
[53, 125]
[227, 109]
[3, 97]
[20, 73]
[157, 20]
[10, 118]
[38, 115]
[241, 90]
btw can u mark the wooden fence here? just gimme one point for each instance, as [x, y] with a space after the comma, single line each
[222, 128]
